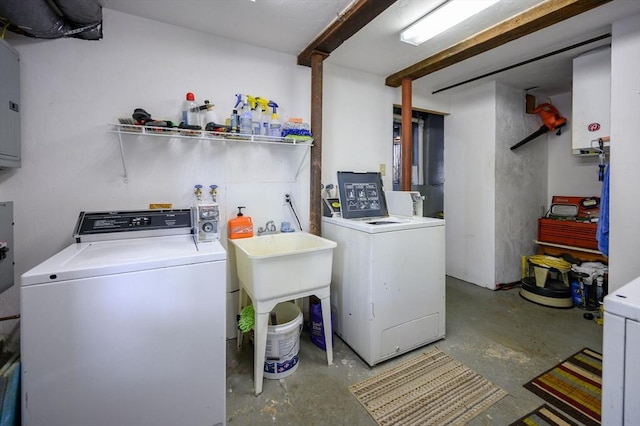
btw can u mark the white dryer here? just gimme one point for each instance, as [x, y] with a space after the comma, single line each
[126, 326]
[621, 352]
[388, 277]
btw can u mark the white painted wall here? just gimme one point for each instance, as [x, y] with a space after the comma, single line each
[520, 185]
[72, 88]
[624, 237]
[357, 132]
[439, 103]
[492, 194]
[569, 174]
[469, 170]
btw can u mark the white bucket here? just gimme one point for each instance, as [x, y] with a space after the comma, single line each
[283, 341]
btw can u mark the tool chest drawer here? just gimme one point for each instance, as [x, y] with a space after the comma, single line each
[568, 232]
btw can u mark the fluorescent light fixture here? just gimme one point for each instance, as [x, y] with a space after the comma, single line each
[447, 15]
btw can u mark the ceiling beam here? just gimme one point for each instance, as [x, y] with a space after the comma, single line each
[534, 19]
[352, 20]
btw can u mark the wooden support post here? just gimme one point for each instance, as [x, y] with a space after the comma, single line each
[407, 134]
[315, 190]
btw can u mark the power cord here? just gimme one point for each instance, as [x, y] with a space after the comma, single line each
[288, 201]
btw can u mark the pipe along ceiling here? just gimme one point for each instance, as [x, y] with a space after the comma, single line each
[52, 19]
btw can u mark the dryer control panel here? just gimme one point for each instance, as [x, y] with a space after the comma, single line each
[96, 226]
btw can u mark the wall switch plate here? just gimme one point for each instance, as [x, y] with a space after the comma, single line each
[383, 169]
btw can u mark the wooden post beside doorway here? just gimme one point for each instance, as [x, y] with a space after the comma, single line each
[407, 135]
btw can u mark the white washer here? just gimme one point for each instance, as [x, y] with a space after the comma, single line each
[127, 330]
[621, 352]
[388, 277]
[387, 284]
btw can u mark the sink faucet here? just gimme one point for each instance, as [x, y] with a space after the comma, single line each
[269, 228]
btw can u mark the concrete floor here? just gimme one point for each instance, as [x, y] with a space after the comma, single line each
[497, 334]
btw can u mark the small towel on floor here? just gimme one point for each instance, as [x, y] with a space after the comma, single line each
[602, 231]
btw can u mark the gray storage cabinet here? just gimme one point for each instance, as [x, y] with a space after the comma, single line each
[9, 106]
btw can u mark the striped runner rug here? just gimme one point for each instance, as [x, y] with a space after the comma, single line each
[574, 386]
[430, 389]
[544, 416]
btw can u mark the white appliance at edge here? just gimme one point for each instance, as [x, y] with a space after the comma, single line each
[388, 277]
[126, 326]
[621, 352]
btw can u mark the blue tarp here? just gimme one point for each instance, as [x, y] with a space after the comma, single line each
[602, 231]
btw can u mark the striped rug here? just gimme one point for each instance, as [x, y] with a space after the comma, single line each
[574, 386]
[544, 416]
[430, 389]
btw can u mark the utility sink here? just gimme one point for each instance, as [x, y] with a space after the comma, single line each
[285, 264]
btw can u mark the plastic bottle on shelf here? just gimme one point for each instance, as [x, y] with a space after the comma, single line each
[275, 128]
[264, 115]
[190, 110]
[255, 115]
[245, 119]
[234, 122]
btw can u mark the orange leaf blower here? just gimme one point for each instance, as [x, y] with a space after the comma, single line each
[552, 121]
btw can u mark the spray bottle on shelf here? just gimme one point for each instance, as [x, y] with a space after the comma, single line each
[245, 119]
[240, 226]
[264, 115]
[255, 115]
[245, 115]
[275, 128]
[190, 110]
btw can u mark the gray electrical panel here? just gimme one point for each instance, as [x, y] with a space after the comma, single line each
[9, 106]
[6, 245]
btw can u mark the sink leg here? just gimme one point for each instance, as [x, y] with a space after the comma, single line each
[325, 304]
[259, 349]
[240, 334]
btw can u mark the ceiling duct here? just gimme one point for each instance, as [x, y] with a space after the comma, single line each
[52, 19]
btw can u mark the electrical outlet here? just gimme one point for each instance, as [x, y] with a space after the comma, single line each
[287, 198]
[383, 169]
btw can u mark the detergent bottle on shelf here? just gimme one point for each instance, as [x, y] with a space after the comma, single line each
[240, 226]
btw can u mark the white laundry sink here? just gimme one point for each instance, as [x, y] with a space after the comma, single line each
[284, 264]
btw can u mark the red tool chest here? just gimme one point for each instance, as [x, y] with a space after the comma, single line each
[576, 231]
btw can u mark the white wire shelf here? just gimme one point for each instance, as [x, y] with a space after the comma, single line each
[131, 129]
[229, 139]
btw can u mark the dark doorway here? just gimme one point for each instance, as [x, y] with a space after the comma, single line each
[427, 158]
